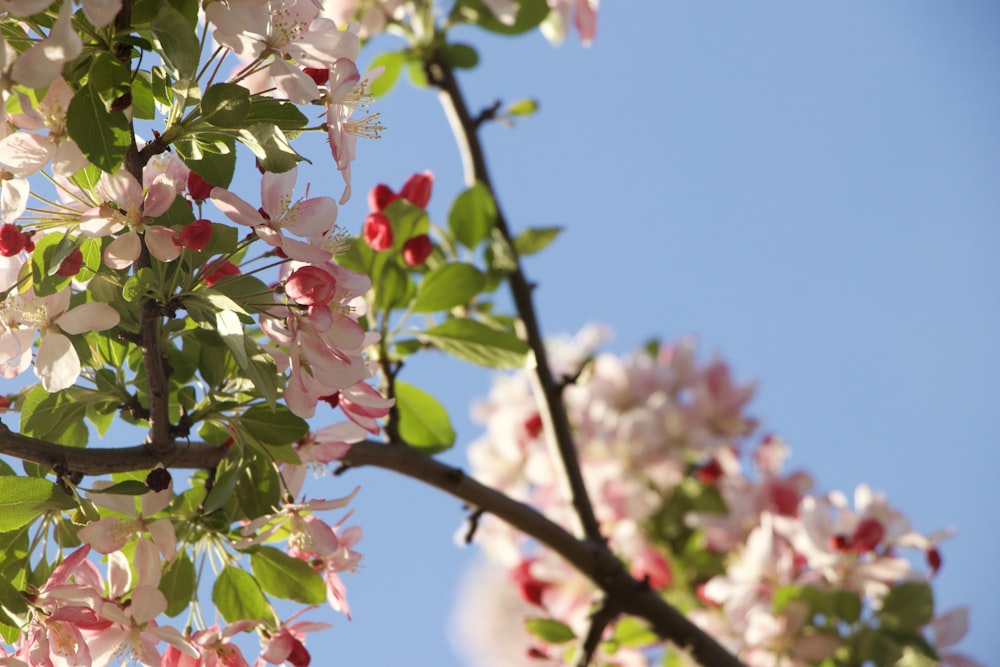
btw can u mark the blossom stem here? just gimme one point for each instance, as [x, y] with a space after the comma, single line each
[465, 129]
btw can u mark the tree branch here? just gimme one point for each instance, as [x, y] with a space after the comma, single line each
[159, 439]
[465, 129]
[105, 460]
[593, 559]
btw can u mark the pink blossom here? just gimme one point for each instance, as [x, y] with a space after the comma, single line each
[43, 61]
[57, 364]
[288, 643]
[310, 218]
[111, 533]
[347, 91]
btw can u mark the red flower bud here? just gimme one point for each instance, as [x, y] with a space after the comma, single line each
[934, 559]
[417, 189]
[309, 286]
[198, 187]
[417, 249]
[225, 270]
[533, 425]
[71, 265]
[380, 196]
[197, 234]
[529, 587]
[867, 534]
[378, 232]
[12, 240]
[320, 76]
[710, 472]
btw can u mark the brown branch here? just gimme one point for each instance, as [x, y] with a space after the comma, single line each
[465, 129]
[593, 559]
[160, 439]
[105, 460]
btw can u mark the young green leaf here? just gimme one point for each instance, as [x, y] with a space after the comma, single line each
[285, 577]
[392, 61]
[531, 241]
[103, 136]
[237, 595]
[477, 343]
[423, 421]
[550, 630]
[24, 499]
[273, 427]
[447, 286]
[472, 215]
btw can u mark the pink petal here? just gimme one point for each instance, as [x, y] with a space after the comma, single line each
[236, 209]
[159, 198]
[312, 217]
[162, 243]
[123, 251]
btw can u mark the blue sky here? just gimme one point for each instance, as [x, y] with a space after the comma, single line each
[810, 189]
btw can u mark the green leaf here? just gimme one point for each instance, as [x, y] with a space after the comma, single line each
[461, 56]
[177, 583]
[175, 40]
[137, 284]
[393, 63]
[103, 136]
[227, 474]
[268, 143]
[477, 343]
[423, 421]
[225, 105]
[472, 215]
[394, 288]
[529, 16]
[285, 577]
[447, 286]
[51, 416]
[273, 427]
[908, 605]
[283, 115]
[531, 241]
[237, 595]
[216, 168]
[109, 78]
[525, 107]
[129, 487]
[49, 252]
[24, 499]
[258, 489]
[550, 630]
[630, 631]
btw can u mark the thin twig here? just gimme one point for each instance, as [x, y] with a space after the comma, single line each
[553, 413]
[599, 620]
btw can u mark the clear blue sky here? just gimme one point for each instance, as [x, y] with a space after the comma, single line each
[810, 188]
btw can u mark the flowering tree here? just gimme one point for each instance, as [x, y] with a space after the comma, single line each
[145, 281]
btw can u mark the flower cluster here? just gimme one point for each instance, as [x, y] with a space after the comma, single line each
[778, 573]
[377, 230]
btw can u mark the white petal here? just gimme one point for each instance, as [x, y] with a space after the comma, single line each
[93, 316]
[57, 364]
